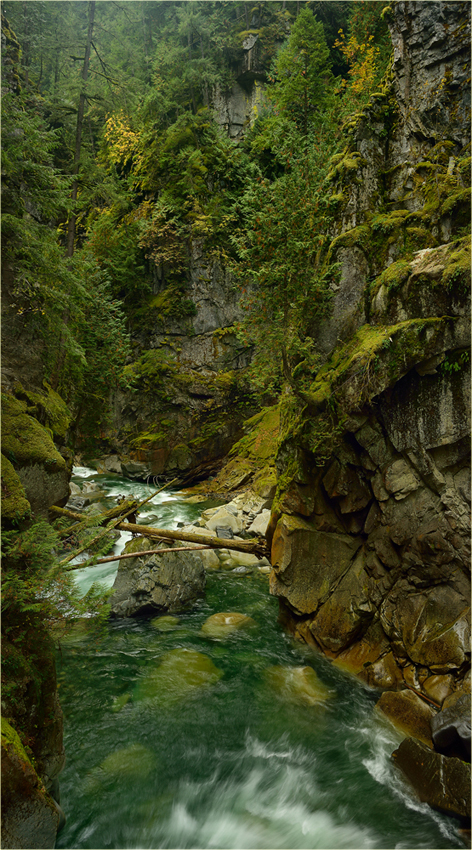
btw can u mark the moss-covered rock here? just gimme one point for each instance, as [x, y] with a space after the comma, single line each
[47, 407]
[15, 505]
[181, 673]
[24, 441]
[222, 625]
[30, 817]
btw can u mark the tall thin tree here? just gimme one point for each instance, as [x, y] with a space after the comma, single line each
[78, 134]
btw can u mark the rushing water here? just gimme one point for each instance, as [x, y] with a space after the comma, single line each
[232, 765]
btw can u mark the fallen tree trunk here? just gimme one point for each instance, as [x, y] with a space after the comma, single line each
[119, 510]
[251, 547]
[138, 555]
[131, 510]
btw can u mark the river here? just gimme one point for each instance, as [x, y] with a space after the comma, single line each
[235, 764]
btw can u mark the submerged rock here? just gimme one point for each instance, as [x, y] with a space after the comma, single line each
[181, 673]
[156, 583]
[442, 782]
[133, 761]
[165, 624]
[298, 684]
[223, 624]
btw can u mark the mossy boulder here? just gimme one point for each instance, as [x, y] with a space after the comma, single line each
[30, 818]
[29, 447]
[180, 674]
[15, 505]
[24, 440]
[47, 406]
[223, 624]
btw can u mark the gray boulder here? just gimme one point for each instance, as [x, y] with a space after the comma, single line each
[156, 584]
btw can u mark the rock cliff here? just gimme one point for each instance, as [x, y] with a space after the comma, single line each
[188, 371]
[371, 521]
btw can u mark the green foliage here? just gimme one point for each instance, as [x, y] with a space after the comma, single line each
[301, 71]
[285, 276]
[37, 596]
[454, 361]
[34, 584]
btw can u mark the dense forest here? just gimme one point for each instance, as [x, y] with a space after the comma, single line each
[157, 153]
[114, 163]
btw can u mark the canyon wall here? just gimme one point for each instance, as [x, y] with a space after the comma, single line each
[370, 526]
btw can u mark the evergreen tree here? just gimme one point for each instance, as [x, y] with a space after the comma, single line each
[302, 73]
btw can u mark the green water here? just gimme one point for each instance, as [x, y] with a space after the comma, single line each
[231, 762]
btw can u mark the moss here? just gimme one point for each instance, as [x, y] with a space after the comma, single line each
[386, 222]
[356, 237]
[355, 371]
[336, 199]
[15, 505]
[462, 197]
[350, 162]
[393, 277]
[457, 270]
[10, 736]
[260, 443]
[148, 438]
[419, 237]
[48, 407]
[24, 441]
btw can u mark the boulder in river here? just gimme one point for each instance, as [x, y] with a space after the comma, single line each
[181, 673]
[170, 582]
[440, 781]
[223, 624]
[298, 684]
[127, 762]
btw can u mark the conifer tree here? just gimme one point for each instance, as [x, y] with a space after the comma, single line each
[302, 73]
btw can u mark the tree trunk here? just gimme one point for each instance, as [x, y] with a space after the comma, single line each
[255, 547]
[78, 134]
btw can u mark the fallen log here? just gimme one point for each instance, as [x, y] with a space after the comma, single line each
[138, 555]
[251, 547]
[119, 510]
[129, 510]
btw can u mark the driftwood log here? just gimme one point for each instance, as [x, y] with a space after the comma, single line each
[252, 547]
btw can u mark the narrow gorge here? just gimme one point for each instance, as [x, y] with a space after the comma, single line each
[236, 307]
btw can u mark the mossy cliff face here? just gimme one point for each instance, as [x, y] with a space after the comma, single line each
[370, 524]
[35, 475]
[188, 395]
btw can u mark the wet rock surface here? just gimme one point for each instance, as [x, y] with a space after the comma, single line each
[371, 539]
[156, 583]
[30, 817]
[442, 782]
[451, 728]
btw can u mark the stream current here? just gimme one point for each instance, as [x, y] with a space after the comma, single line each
[234, 764]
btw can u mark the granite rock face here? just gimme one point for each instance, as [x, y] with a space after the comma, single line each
[371, 536]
